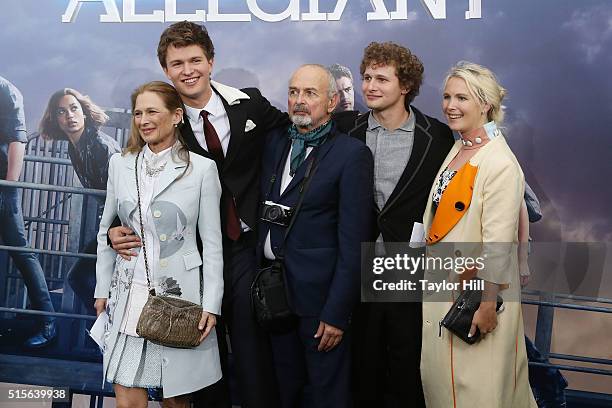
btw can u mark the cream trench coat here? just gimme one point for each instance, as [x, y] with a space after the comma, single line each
[492, 372]
[182, 207]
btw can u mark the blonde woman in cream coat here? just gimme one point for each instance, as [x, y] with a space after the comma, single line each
[476, 198]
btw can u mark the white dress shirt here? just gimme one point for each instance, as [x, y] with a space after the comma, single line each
[285, 181]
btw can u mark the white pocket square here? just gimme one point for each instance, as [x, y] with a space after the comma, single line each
[250, 125]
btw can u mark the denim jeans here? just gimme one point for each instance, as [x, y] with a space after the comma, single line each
[82, 276]
[13, 233]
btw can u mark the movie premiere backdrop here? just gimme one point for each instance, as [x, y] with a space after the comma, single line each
[553, 56]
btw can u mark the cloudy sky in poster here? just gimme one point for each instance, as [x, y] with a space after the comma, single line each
[554, 57]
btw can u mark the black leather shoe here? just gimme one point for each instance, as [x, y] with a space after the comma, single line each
[43, 337]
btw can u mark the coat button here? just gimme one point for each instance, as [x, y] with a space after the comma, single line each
[165, 361]
[157, 213]
[163, 263]
[162, 237]
[459, 206]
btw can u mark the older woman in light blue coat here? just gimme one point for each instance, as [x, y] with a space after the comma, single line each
[179, 194]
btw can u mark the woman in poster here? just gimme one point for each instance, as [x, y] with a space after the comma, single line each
[477, 198]
[73, 116]
[179, 195]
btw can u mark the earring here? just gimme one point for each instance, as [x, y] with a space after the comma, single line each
[176, 125]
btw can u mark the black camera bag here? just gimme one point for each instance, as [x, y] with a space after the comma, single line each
[269, 299]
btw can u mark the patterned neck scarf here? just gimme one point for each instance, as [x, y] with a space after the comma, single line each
[301, 141]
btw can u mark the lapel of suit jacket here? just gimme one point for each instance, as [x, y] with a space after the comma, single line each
[361, 126]
[236, 113]
[320, 152]
[130, 180]
[420, 148]
[190, 140]
[170, 173]
[276, 176]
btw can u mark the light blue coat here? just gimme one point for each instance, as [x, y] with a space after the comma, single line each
[182, 207]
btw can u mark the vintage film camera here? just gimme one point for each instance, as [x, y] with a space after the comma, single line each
[276, 213]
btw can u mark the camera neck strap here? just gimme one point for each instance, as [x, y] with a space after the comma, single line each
[305, 183]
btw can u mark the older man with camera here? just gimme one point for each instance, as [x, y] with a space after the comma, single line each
[317, 183]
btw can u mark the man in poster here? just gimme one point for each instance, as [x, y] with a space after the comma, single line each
[12, 148]
[344, 85]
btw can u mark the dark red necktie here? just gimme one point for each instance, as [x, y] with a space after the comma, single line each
[232, 224]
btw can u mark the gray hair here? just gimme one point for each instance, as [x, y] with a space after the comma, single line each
[339, 71]
[483, 84]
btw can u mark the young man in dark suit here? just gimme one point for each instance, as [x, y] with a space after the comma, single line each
[321, 253]
[227, 125]
[408, 149]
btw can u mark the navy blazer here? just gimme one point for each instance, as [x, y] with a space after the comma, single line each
[322, 250]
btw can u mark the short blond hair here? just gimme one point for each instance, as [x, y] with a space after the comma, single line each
[483, 85]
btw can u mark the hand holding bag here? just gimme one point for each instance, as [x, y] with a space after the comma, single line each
[459, 318]
[167, 320]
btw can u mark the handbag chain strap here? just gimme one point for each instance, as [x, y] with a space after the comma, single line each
[142, 237]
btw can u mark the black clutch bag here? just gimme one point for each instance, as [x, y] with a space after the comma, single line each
[458, 320]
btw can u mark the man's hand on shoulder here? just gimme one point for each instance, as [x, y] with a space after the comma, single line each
[123, 240]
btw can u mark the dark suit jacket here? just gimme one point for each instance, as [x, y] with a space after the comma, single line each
[406, 205]
[240, 171]
[322, 251]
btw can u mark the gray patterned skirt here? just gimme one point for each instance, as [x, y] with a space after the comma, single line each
[130, 367]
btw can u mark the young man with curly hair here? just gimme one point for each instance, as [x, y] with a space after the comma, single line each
[408, 149]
